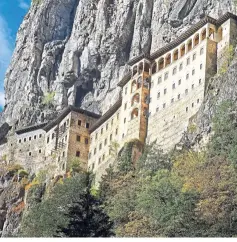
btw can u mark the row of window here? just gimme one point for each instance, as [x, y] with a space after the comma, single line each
[30, 153]
[173, 87]
[86, 140]
[79, 123]
[29, 138]
[167, 75]
[172, 101]
[106, 127]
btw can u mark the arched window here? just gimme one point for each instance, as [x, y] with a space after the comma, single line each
[140, 68]
[196, 40]
[211, 33]
[154, 68]
[182, 50]
[139, 82]
[168, 59]
[161, 64]
[147, 67]
[204, 34]
[134, 71]
[135, 99]
[134, 86]
[134, 113]
[189, 45]
[176, 55]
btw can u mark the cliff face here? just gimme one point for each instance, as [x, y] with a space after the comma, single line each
[78, 49]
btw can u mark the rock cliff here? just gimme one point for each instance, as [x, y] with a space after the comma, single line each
[76, 50]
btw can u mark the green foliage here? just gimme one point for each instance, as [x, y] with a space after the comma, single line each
[227, 58]
[22, 173]
[48, 98]
[54, 212]
[74, 165]
[224, 140]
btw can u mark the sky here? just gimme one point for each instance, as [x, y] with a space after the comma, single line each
[12, 13]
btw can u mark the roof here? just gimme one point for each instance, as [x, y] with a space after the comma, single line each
[31, 128]
[66, 112]
[183, 37]
[107, 115]
[125, 79]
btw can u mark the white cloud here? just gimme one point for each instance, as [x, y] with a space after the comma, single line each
[24, 5]
[5, 53]
[2, 100]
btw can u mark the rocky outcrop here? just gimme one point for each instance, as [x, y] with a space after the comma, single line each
[78, 49]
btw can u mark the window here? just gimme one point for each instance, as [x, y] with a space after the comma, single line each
[63, 153]
[201, 51]
[19, 140]
[48, 140]
[100, 146]
[159, 80]
[40, 151]
[188, 61]
[105, 143]
[165, 91]
[192, 105]
[118, 116]
[87, 125]
[101, 131]
[166, 75]
[157, 109]
[89, 156]
[99, 160]
[173, 86]
[193, 86]
[116, 132]
[110, 137]
[94, 151]
[174, 70]
[198, 101]
[78, 153]
[124, 120]
[194, 56]
[125, 106]
[29, 138]
[193, 72]
[187, 76]
[53, 135]
[96, 135]
[66, 138]
[200, 81]
[164, 105]
[112, 121]
[107, 126]
[200, 66]
[86, 141]
[78, 138]
[35, 137]
[103, 157]
[186, 91]
[24, 139]
[29, 153]
[93, 166]
[79, 122]
[180, 82]
[178, 96]
[126, 90]
[158, 95]
[172, 100]
[181, 67]
[40, 135]
[186, 109]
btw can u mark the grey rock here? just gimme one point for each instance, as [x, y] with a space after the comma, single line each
[79, 49]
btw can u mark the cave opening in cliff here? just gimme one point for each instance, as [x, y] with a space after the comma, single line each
[81, 92]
